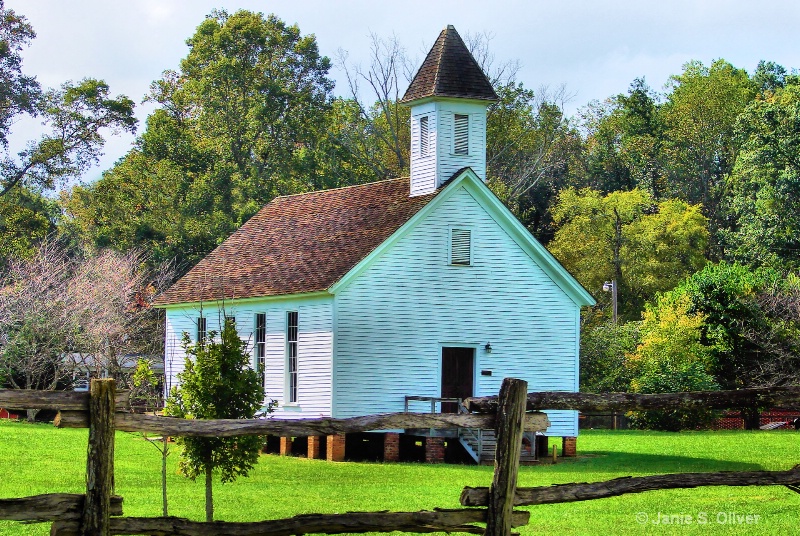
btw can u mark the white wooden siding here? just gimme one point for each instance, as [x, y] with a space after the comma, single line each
[315, 347]
[431, 171]
[393, 320]
[423, 168]
[448, 162]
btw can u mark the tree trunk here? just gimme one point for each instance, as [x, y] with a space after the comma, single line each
[31, 414]
[164, 453]
[209, 495]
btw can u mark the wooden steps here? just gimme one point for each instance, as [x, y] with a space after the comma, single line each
[480, 445]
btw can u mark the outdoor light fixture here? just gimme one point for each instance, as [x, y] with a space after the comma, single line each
[488, 348]
[611, 286]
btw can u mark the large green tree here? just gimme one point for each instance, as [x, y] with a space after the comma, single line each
[699, 118]
[244, 119]
[765, 183]
[647, 247]
[217, 383]
[73, 115]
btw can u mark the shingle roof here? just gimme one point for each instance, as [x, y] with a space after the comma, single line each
[449, 70]
[299, 243]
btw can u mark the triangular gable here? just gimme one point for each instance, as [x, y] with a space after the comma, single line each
[504, 218]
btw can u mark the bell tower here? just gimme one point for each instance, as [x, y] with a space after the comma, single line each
[448, 98]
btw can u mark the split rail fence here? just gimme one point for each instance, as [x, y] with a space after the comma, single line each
[514, 411]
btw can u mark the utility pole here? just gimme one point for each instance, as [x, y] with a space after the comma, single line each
[612, 287]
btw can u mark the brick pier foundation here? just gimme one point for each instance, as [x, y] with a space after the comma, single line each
[569, 447]
[434, 449]
[314, 445]
[336, 448]
[391, 447]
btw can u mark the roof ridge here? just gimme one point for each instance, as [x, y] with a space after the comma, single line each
[338, 188]
[439, 60]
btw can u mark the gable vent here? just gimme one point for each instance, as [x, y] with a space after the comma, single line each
[461, 134]
[423, 135]
[461, 247]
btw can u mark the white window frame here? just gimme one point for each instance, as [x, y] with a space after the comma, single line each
[292, 356]
[260, 344]
[471, 245]
[201, 328]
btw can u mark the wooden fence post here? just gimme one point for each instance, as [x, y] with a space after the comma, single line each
[99, 459]
[509, 429]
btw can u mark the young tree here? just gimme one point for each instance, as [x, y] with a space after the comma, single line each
[217, 383]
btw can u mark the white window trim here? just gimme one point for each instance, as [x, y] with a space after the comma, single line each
[288, 383]
[260, 367]
[471, 245]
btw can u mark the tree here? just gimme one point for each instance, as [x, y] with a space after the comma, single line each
[645, 246]
[37, 328]
[64, 310]
[699, 117]
[26, 218]
[382, 141]
[672, 358]
[74, 113]
[147, 389]
[749, 328]
[604, 352]
[244, 113]
[625, 142]
[244, 118]
[765, 183]
[217, 383]
[530, 151]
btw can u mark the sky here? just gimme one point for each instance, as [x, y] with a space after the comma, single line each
[596, 48]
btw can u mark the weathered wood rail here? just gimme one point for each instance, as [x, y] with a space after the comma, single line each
[134, 422]
[512, 412]
[776, 397]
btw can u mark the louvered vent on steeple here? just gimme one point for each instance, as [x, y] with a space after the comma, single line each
[461, 247]
[461, 134]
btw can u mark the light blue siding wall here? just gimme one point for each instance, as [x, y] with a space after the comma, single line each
[432, 170]
[448, 162]
[394, 318]
[315, 347]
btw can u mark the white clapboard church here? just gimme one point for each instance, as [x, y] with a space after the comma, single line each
[388, 296]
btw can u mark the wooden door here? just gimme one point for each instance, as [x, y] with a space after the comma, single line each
[458, 374]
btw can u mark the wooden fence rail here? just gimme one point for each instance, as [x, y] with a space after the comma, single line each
[773, 397]
[439, 520]
[133, 422]
[103, 411]
[561, 493]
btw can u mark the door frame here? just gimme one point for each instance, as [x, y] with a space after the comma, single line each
[475, 367]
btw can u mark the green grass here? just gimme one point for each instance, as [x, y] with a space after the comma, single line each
[40, 459]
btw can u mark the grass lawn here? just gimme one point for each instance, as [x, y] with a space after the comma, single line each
[41, 459]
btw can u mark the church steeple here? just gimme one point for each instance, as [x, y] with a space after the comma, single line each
[448, 99]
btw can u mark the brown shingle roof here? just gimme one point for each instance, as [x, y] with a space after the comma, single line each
[299, 243]
[449, 70]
